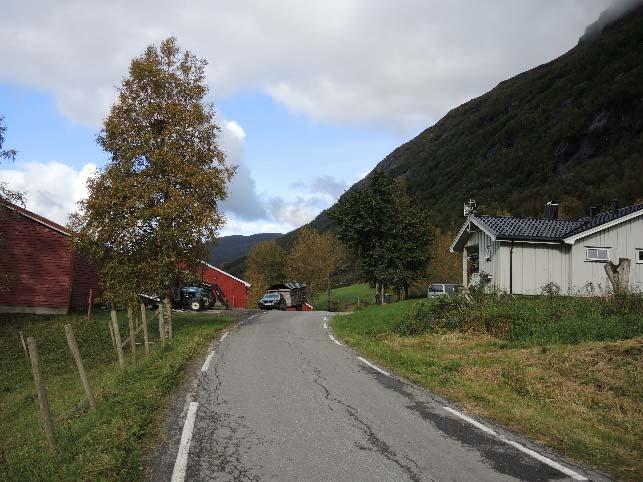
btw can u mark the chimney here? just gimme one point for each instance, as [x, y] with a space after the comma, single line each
[592, 212]
[470, 208]
[615, 206]
[551, 210]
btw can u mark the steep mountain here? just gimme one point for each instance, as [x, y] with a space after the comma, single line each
[570, 130]
[230, 248]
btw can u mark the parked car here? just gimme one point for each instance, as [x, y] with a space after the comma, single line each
[272, 301]
[443, 289]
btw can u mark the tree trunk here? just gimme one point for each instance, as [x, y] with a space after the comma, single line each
[406, 291]
[618, 274]
[330, 294]
[378, 296]
[167, 315]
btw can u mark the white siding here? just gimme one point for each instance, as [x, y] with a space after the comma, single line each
[534, 266]
[489, 266]
[622, 240]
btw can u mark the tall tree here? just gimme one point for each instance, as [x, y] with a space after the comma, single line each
[266, 266]
[386, 230]
[6, 195]
[444, 267]
[314, 258]
[151, 209]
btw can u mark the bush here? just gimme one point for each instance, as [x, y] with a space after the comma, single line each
[548, 318]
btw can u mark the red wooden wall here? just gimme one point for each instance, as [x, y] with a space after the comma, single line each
[85, 277]
[44, 274]
[235, 291]
[38, 262]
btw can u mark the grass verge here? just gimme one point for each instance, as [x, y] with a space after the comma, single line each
[346, 298]
[583, 399]
[107, 444]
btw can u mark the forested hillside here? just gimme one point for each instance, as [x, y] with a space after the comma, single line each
[570, 130]
[231, 248]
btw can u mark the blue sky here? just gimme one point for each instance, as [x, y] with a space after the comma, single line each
[309, 96]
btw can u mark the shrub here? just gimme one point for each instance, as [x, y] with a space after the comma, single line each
[541, 319]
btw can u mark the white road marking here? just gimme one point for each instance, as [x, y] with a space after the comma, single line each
[484, 428]
[206, 363]
[522, 448]
[334, 339]
[224, 335]
[181, 463]
[373, 366]
[325, 326]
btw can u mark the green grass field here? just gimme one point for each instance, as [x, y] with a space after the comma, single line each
[563, 384]
[107, 444]
[346, 298]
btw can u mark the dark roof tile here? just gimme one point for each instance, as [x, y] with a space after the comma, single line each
[509, 227]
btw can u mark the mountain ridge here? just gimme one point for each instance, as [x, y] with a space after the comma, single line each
[568, 130]
[227, 249]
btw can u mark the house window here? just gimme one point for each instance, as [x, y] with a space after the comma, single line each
[639, 256]
[597, 254]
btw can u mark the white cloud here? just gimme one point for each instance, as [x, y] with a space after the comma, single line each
[242, 200]
[235, 225]
[51, 189]
[397, 64]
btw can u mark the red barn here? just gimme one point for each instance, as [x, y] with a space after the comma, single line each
[39, 272]
[234, 289]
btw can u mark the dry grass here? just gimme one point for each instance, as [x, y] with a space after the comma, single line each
[585, 400]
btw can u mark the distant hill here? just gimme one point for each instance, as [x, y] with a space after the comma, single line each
[570, 130]
[230, 248]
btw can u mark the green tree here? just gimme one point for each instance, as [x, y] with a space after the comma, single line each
[152, 208]
[386, 230]
[314, 258]
[445, 266]
[266, 266]
[6, 195]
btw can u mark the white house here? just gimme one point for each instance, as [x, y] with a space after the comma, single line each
[522, 255]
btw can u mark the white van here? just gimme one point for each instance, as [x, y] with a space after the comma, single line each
[442, 289]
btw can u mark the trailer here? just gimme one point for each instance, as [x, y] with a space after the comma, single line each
[294, 294]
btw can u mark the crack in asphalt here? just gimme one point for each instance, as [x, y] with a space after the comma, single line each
[375, 442]
[500, 456]
[224, 440]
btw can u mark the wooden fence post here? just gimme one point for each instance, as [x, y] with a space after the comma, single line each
[73, 346]
[89, 305]
[111, 333]
[45, 412]
[161, 315]
[117, 340]
[168, 314]
[24, 347]
[144, 321]
[132, 331]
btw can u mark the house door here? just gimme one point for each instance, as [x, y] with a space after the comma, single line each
[473, 261]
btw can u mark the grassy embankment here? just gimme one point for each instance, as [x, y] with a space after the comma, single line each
[346, 298]
[107, 444]
[565, 372]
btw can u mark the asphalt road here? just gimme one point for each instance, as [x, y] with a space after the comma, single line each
[279, 399]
